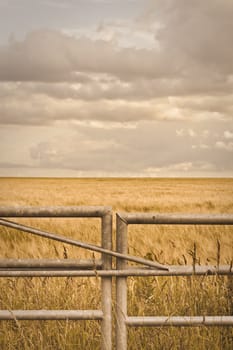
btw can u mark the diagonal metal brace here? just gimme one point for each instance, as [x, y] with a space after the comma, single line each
[81, 244]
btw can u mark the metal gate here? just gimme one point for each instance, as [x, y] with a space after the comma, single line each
[123, 320]
[66, 267]
[104, 268]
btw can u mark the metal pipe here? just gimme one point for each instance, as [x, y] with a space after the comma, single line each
[178, 321]
[223, 270]
[51, 315]
[50, 263]
[121, 287]
[57, 211]
[106, 284]
[77, 243]
[177, 219]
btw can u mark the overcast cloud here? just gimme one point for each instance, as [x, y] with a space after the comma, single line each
[125, 88]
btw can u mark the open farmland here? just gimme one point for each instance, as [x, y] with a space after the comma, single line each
[147, 296]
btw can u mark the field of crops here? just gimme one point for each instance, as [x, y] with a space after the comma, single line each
[206, 295]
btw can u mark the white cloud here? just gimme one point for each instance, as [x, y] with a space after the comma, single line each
[185, 166]
[191, 133]
[228, 134]
[180, 132]
[205, 133]
[102, 125]
[204, 146]
[186, 132]
[226, 146]
[182, 169]
[123, 33]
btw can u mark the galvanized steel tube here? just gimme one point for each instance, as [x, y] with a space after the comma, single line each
[176, 219]
[51, 315]
[106, 283]
[178, 321]
[56, 211]
[223, 270]
[121, 287]
[50, 263]
[80, 244]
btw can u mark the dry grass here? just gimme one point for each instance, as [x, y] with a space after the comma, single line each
[147, 296]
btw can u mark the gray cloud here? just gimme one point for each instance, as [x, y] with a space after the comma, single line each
[51, 56]
[194, 58]
[195, 32]
[118, 106]
[195, 50]
[48, 55]
[23, 104]
[12, 165]
[150, 146]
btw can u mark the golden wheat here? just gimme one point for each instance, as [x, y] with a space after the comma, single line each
[146, 296]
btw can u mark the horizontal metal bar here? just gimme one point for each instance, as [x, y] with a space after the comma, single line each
[51, 314]
[50, 263]
[177, 321]
[173, 271]
[57, 211]
[176, 219]
[80, 244]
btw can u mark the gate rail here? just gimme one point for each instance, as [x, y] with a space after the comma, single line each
[103, 268]
[43, 267]
[123, 320]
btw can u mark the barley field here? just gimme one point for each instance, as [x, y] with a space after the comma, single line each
[205, 295]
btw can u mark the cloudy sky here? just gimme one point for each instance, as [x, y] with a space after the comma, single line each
[116, 88]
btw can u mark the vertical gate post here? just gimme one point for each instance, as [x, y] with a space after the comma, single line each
[106, 283]
[121, 286]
